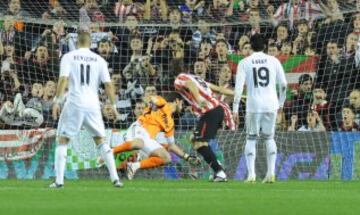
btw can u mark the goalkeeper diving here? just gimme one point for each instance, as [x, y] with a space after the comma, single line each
[145, 135]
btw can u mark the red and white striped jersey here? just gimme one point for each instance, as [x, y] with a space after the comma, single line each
[205, 92]
[228, 117]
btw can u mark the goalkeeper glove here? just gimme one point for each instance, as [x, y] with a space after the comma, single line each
[192, 159]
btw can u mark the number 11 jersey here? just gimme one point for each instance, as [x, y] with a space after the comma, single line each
[261, 73]
[86, 71]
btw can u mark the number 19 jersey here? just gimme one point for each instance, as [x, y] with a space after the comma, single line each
[86, 71]
[261, 73]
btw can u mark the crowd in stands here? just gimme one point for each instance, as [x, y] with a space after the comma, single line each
[147, 42]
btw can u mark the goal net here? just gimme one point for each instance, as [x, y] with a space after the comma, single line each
[146, 43]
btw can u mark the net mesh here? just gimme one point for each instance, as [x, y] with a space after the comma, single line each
[147, 42]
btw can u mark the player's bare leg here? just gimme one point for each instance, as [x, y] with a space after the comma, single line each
[107, 155]
[203, 148]
[157, 158]
[60, 162]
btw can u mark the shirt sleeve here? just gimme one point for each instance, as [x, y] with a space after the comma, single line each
[281, 80]
[105, 76]
[239, 86]
[65, 66]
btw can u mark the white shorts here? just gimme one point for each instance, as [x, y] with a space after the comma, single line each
[264, 122]
[72, 119]
[137, 131]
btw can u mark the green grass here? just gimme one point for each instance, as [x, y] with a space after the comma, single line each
[87, 197]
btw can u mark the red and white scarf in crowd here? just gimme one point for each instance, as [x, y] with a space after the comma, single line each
[121, 10]
[305, 10]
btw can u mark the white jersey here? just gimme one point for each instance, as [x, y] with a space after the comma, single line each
[261, 73]
[86, 71]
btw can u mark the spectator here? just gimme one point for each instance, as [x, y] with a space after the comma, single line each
[286, 49]
[140, 67]
[126, 94]
[321, 106]
[313, 123]
[105, 50]
[301, 100]
[246, 50]
[205, 52]
[35, 101]
[155, 9]
[192, 8]
[9, 56]
[108, 113]
[47, 102]
[54, 39]
[349, 49]
[200, 69]
[331, 11]
[55, 11]
[220, 9]
[175, 50]
[281, 123]
[256, 26]
[273, 50]
[203, 32]
[282, 35]
[356, 23]
[240, 45]
[310, 52]
[9, 34]
[15, 9]
[337, 77]
[123, 8]
[225, 80]
[124, 35]
[150, 90]
[303, 38]
[10, 83]
[333, 28]
[348, 120]
[96, 35]
[355, 104]
[17, 113]
[295, 10]
[222, 50]
[330, 62]
[139, 108]
[219, 59]
[42, 66]
[175, 17]
[90, 12]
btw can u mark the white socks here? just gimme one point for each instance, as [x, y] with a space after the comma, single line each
[271, 151]
[60, 161]
[107, 155]
[250, 156]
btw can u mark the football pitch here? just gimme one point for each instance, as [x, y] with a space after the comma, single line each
[87, 197]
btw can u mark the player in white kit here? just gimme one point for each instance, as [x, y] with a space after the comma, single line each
[262, 74]
[84, 71]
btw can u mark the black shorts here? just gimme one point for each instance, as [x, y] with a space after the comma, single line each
[209, 124]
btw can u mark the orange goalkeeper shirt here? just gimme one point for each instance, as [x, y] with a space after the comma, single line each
[158, 119]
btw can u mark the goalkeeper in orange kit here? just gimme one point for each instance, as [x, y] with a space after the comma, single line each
[141, 135]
